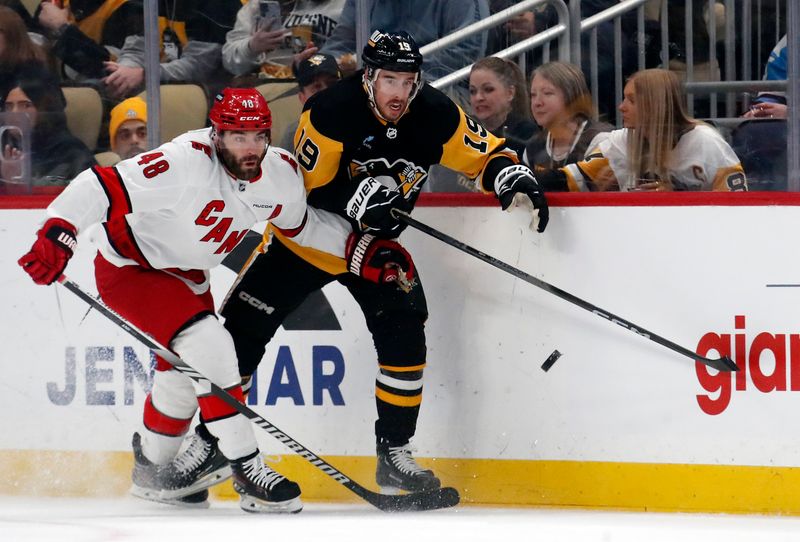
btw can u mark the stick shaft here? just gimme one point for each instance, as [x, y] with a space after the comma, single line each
[722, 364]
[384, 502]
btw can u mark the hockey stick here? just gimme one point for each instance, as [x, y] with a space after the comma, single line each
[425, 500]
[724, 363]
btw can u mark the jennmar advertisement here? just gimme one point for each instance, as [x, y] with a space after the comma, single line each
[716, 280]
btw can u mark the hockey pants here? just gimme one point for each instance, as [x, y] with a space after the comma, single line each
[277, 282]
[163, 306]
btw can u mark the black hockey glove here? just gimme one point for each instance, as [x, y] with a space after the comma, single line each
[372, 205]
[519, 179]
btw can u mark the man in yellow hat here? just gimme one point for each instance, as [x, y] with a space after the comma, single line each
[127, 128]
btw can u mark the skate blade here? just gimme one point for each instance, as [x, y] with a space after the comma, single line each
[397, 490]
[258, 506]
[156, 496]
[390, 490]
[200, 484]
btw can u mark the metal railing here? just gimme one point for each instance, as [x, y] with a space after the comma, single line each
[560, 30]
[736, 82]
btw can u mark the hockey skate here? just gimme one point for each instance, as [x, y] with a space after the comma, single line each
[261, 489]
[184, 480]
[398, 470]
[200, 466]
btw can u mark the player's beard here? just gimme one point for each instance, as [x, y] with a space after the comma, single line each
[237, 167]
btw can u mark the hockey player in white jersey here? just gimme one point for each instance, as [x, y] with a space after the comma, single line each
[161, 220]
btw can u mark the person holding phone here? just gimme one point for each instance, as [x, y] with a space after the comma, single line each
[261, 42]
[56, 155]
[192, 34]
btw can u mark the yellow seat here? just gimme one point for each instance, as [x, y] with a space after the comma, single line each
[31, 5]
[106, 158]
[84, 113]
[284, 105]
[184, 107]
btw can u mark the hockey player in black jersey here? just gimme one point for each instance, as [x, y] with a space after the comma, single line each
[364, 147]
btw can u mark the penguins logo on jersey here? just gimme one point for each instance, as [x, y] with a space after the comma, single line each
[408, 176]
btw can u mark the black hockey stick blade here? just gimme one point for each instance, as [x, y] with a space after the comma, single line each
[428, 500]
[724, 363]
[444, 497]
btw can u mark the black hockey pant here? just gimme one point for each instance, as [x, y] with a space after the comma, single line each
[278, 281]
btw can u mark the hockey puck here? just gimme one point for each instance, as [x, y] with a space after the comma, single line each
[550, 360]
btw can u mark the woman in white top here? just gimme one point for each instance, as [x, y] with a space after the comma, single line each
[660, 148]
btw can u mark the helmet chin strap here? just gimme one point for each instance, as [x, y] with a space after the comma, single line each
[370, 76]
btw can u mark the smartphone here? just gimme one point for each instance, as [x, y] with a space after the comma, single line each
[10, 136]
[269, 13]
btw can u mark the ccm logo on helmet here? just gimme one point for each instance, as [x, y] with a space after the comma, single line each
[248, 118]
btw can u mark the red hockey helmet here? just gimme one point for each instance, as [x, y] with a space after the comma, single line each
[243, 109]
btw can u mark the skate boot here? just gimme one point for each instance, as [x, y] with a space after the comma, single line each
[147, 482]
[397, 470]
[261, 489]
[200, 466]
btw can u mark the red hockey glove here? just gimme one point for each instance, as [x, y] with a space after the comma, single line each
[379, 260]
[50, 253]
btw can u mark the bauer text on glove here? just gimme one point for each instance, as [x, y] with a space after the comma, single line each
[372, 205]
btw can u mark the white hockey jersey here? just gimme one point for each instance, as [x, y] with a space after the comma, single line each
[702, 160]
[177, 208]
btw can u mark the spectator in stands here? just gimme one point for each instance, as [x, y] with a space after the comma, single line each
[267, 47]
[17, 50]
[192, 34]
[772, 104]
[545, 16]
[86, 34]
[499, 100]
[56, 155]
[661, 148]
[313, 75]
[127, 129]
[426, 21]
[762, 146]
[562, 107]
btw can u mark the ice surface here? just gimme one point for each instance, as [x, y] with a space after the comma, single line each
[131, 520]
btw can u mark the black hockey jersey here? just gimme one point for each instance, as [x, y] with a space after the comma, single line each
[339, 139]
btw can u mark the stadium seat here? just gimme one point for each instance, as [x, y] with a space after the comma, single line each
[84, 113]
[284, 104]
[761, 146]
[184, 107]
[106, 158]
[31, 5]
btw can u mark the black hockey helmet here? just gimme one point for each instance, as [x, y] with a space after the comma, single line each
[393, 51]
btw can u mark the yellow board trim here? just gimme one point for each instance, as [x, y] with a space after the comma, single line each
[490, 482]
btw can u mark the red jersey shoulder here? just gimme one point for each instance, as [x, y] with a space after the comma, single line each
[198, 146]
[287, 157]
